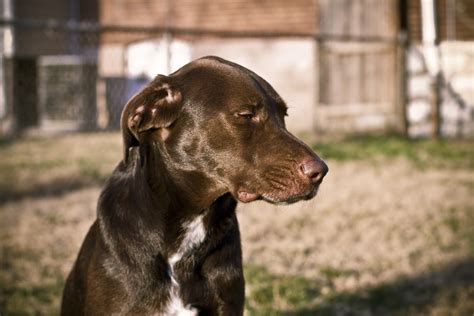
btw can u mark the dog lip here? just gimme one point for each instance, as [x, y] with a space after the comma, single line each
[245, 196]
[304, 196]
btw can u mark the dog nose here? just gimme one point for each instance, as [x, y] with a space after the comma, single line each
[314, 169]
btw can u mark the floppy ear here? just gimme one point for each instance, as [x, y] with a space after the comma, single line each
[156, 106]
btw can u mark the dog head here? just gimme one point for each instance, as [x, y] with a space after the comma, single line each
[219, 125]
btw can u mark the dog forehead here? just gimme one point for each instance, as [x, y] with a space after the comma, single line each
[231, 79]
[213, 68]
[217, 63]
[244, 74]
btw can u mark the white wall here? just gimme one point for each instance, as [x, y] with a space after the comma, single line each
[457, 65]
[287, 64]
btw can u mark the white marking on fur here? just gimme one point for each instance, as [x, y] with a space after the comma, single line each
[194, 236]
[176, 307]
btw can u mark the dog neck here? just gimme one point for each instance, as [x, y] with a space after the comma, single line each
[189, 191]
[146, 236]
[139, 216]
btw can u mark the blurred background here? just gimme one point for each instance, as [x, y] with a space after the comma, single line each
[383, 90]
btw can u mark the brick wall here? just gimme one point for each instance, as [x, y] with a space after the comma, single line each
[236, 15]
[456, 19]
[35, 42]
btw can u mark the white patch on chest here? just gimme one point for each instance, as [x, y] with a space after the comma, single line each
[194, 234]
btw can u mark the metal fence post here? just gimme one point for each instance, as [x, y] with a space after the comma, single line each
[402, 84]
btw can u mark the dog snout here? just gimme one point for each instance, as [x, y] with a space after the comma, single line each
[313, 169]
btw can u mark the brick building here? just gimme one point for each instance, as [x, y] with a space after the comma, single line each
[339, 64]
[331, 84]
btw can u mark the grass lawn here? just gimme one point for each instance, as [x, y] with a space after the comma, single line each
[390, 233]
[421, 152]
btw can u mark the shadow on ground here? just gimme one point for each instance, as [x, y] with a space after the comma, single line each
[447, 291]
[53, 188]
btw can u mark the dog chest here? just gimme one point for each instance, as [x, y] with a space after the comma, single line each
[194, 235]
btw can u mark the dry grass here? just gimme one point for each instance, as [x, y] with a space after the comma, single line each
[373, 226]
[385, 236]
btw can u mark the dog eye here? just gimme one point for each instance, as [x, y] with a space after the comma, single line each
[245, 114]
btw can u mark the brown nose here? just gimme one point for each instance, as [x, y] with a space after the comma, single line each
[314, 169]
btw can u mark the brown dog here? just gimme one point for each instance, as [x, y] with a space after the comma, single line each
[166, 239]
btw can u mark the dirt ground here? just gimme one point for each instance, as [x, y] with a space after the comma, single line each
[384, 236]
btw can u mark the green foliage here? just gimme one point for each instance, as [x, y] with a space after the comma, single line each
[422, 152]
[32, 300]
[23, 297]
[420, 295]
[452, 221]
[269, 294]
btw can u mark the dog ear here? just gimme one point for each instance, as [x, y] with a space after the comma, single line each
[156, 106]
